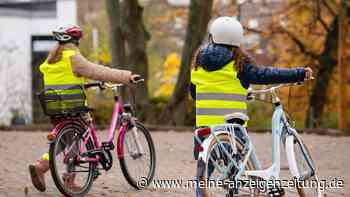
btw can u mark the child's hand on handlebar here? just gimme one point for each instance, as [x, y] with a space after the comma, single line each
[135, 78]
[308, 74]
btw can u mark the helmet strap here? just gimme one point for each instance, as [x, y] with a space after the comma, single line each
[73, 41]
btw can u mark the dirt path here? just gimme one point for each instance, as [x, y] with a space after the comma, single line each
[174, 160]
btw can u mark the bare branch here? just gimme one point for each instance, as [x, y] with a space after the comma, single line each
[319, 16]
[299, 43]
[253, 30]
[329, 8]
[323, 23]
[281, 30]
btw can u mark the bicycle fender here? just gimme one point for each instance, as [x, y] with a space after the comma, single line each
[206, 143]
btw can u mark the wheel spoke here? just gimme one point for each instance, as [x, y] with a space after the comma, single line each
[139, 158]
[70, 177]
[220, 157]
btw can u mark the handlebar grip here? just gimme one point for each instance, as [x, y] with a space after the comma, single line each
[137, 80]
[250, 96]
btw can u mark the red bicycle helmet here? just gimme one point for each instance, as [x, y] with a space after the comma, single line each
[68, 33]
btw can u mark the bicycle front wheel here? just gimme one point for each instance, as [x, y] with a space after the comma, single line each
[302, 167]
[138, 161]
[72, 177]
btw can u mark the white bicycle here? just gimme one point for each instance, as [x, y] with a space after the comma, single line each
[228, 166]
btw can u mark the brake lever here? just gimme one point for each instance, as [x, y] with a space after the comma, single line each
[250, 95]
[138, 81]
[102, 85]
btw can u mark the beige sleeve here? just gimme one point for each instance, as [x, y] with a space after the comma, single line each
[83, 67]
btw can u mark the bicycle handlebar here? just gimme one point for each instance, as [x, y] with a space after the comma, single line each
[99, 84]
[271, 89]
[103, 85]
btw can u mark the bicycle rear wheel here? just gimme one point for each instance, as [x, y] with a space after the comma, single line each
[211, 175]
[72, 178]
[302, 167]
[139, 157]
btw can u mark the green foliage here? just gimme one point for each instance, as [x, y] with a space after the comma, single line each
[155, 70]
[330, 120]
[156, 106]
[190, 115]
[260, 115]
[103, 104]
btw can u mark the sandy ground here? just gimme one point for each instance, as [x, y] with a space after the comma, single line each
[174, 160]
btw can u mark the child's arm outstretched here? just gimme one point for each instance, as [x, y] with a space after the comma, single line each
[83, 67]
[269, 75]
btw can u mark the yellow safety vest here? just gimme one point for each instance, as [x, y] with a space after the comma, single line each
[218, 93]
[60, 74]
[59, 79]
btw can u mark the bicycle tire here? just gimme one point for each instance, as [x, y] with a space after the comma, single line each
[53, 167]
[150, 175]
[223, 138]
[295, 167]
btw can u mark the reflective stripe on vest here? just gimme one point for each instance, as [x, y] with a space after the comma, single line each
[62, 87]
[221, 96]
[61, 84]
[217, 93]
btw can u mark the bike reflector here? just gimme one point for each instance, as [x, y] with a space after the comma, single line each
[203, 131]
[198, 148]
[51, 136]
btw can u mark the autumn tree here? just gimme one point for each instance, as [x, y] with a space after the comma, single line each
[342, 58]
[136, 37]
[117, 40]
[128, 41]
[306, 33]
[199, 16]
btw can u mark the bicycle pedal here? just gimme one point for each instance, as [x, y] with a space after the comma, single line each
[96, 174]
[108, 145]
[276, 192]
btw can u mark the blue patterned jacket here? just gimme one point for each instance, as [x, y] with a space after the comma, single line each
[214, 56]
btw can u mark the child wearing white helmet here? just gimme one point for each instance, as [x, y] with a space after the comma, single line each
[221, 74]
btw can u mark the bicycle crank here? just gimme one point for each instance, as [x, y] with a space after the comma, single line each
[106, 159]
[276, 192]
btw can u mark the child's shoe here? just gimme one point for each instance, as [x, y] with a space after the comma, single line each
[68, 179]
[37, 174]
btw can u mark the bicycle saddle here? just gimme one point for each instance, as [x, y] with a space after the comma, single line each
[237, 117]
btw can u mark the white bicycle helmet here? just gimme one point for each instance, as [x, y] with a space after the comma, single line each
[226, 30]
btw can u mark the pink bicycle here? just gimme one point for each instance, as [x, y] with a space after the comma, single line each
[76, 156]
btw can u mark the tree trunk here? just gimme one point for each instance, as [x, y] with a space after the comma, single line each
[342, 54]
[117, 41]
[327, 63]
[199, 16]
[136, 37]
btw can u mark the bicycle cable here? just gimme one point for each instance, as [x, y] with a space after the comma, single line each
[133, 98]
[289, 117]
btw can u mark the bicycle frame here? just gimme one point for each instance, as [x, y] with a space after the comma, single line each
[279, 123]
[280, 130]
[90, 132]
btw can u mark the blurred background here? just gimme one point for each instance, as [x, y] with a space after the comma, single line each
[157, 39]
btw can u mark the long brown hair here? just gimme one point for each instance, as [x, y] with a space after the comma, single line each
[240, 57]
[55, 54]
